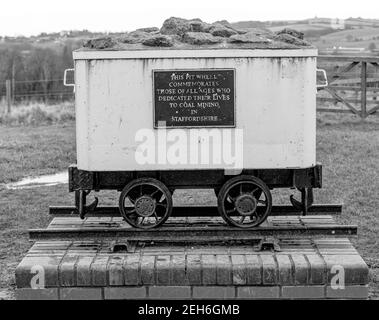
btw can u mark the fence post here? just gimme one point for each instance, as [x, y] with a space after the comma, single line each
[364, 90]
[8, 95]
[13, 80]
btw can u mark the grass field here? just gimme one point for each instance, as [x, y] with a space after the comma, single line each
[351, 38]
[364, 33]
[299, 27]
[347, 147]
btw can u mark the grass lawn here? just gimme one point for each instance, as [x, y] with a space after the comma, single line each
[347, 148]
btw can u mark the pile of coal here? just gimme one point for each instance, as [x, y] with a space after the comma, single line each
[100, 43]
[176, 31]
[291, 36]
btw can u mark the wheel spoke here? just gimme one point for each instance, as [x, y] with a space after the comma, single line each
[230, 198]
[230, 211]
[254, 191]
[130, 211]
[156, 216]
[262, 202]
[152, 195]
[142, 220]
[131, 200]
[162, 198]
[242, 219]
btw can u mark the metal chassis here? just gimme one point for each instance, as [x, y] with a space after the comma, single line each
[83, 182]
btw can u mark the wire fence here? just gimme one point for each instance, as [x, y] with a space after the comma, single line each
[14, 92]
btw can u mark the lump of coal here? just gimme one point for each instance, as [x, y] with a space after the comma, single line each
[250, 37]
[179, 26]
[200, 38]
[135, 37]
[292, 32]
[226, 24]
[220, 30]
[287, 38]
[158, 40]
[149, 30]
[262, 32]
[100, 43]
[197, 25]
[174, 25]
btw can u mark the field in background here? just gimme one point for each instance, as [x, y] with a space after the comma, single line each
[326, 38]
[347, 147]
[35, 113]
[302, 27]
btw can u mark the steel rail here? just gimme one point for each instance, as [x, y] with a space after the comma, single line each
[204, 233]
[202, 211]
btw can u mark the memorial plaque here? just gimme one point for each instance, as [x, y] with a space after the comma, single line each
[194, 98]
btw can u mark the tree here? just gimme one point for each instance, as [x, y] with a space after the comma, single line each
[372, 46]
[42, 66]
[37, 71]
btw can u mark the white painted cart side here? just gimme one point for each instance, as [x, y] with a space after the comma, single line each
[275, 105]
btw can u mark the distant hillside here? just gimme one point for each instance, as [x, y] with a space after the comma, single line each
[353, 35]
[365, 40]
[367, 33]
[314, 26]
[310, 31]
[300, 27]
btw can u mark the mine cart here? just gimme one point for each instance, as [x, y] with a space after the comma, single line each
[238, 117]
[206, 106]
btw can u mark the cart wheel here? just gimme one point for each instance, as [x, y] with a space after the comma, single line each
[244, 201]
[145, 203]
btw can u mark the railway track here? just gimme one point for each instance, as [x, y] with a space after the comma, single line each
[205, 233]
[192, 224]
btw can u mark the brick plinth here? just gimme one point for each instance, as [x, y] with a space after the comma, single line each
[303, 269]
[328, 268]
[193, 292]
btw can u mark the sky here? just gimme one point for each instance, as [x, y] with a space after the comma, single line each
[31, 17]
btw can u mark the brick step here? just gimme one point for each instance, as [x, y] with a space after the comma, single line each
[193, 292]
[304, 268]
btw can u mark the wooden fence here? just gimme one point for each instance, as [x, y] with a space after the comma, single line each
[353, 85]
